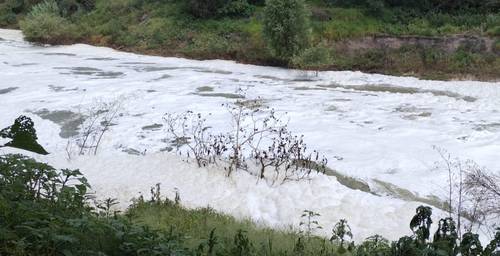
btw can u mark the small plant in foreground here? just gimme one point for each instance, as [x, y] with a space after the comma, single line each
[341, 232]
[309, 222]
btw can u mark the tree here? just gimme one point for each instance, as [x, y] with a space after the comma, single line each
[286, 27]
[23, 135]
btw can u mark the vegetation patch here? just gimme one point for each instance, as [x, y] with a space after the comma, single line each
[305, 34]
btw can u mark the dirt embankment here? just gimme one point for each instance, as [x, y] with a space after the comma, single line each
[449, 44]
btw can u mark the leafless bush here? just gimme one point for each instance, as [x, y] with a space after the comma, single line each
[250, 128]
[190, 130]
[257, 140]
[483, 189]
[99, 117]
[287, 157]
[473, 194]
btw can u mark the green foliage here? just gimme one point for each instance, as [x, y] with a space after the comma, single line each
[445, 238]
[470, 245]
[44, 211]
[236, 8]
[309, 222]
[23, 135]
[374, 246]
[236, 30]
[375, 7]
[495, 31]
[11, 10]
[494, 246]
[420, 224]
[241, 245]
[341, 232]
[205, 8]
[312, 58]
[211, 233]
[72, 7]
[44, 24]
[218, 8]
[406, 246]
[286, 27]
[48, 7]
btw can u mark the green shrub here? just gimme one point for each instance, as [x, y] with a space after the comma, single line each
[375, 7]
[496, 46]
[7, 17]
[48, 7]
[374, 246]
[495, 31]
[45, 25]
[312, 58]
[286, 27]
[236, 8]
[205, 8]
[464, 59]
[218, 8]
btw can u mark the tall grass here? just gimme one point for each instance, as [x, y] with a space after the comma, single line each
[197, 226]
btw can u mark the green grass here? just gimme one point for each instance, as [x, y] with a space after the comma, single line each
[197, 224]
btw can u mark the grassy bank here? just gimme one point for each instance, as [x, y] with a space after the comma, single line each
[44, 211]
[206, 229]
[165, 28]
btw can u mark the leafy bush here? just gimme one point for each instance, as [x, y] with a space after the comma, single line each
[48, 7]
[7, 17]
[205, 8]
[495, 31]
[44, 24]
[286, 27]
[375, 7]
[312, 58]
[71, 7]
[236, 8]
[218, 8]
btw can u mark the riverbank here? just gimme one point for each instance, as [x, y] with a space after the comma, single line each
[432, 46]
